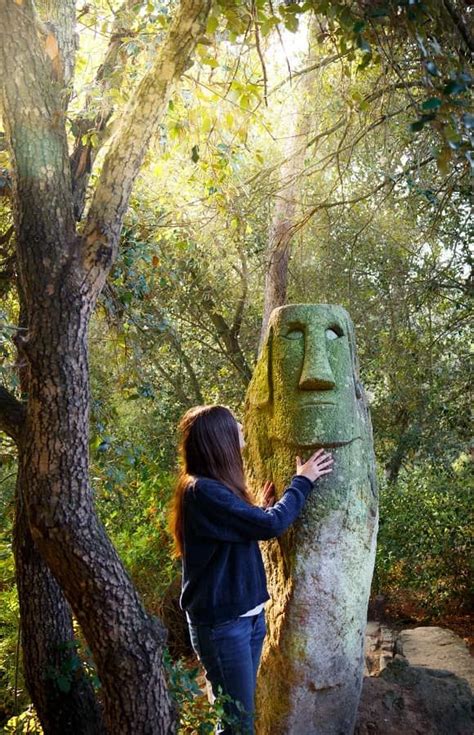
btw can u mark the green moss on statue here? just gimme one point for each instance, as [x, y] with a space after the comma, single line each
[306, 393]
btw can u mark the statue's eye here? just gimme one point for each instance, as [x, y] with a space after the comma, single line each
[294, 333]
[334, 332]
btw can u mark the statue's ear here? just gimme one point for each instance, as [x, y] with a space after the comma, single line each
[260, 388]
[350, 331]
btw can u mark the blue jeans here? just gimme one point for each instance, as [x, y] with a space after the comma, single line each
[230, 653]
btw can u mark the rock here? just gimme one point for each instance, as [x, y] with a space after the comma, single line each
[379, 648]
[414, 700]
[438, 648]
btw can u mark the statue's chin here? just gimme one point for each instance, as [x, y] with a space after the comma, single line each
[315, 425]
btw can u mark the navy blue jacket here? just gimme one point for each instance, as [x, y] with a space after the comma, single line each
[223, 572]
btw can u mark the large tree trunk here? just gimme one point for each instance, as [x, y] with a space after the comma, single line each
[63, 696]
[61, 275]
[126, 642]
[54, 675]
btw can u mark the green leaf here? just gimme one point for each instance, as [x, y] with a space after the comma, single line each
[379, 12]
[291, 23]
[367, 58]
[454, 87]
[210, 61]
[363, 44]
[346, 18]
[416, 126]
[468, 120]
[433, 103]
[268, 24]
[212, 23]
[195, 153]
[358, 26]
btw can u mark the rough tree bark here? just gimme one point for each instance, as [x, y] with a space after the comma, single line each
[50, 655]
[61, 274]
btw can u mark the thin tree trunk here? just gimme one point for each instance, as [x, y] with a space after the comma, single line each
[279, 240]
[280, 233]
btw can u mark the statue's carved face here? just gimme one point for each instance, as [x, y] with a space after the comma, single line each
[313, 392]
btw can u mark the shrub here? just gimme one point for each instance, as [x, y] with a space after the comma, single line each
[425, 535]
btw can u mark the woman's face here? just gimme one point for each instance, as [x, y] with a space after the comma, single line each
[241, 435]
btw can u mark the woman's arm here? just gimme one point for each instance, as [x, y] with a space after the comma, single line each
[214, 511]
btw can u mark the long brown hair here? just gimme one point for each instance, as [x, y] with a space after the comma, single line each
[209, 447]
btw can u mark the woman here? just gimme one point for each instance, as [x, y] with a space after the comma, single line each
[216, 528]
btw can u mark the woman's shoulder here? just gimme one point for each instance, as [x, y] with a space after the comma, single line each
[200, 482]
[201, 486]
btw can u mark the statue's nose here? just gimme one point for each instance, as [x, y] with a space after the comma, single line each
[316, 373]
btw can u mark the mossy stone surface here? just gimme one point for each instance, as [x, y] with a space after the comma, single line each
[306, 393]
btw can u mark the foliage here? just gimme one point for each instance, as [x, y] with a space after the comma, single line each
[13, 695]
[196, 715]
[133, 500]
[434, 42]
[26, 723]
[425, 537]
[74, 656]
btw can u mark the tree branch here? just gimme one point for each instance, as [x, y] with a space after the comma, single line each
[461, 26]
[360, 198]
[12, 414]
[239, 312]
[306, 70]
[58, 29]
[130, 143]
[229, 339]
[84, 153]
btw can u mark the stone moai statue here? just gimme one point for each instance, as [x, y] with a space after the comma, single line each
[305, 393]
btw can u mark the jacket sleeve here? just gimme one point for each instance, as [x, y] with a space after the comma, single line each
[214, 511]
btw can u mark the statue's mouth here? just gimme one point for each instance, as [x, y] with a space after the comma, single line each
[312, 446]
[317, 403]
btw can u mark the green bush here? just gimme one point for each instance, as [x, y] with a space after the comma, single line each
[26, 723]
[196, 716]
[132, 498]
[425, 536]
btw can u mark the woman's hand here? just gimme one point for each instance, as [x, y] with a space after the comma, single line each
[320, 463]
[269, 496]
